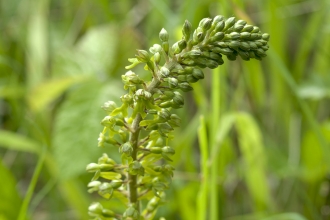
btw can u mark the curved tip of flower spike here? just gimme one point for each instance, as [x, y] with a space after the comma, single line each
[230, 37]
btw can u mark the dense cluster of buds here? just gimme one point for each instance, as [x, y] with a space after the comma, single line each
[140, 127]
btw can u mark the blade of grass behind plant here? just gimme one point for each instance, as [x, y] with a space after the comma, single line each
[24, 208]
[287, 76]
[202, 197]
[214, 120]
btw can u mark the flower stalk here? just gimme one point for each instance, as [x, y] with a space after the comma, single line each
[141, 126]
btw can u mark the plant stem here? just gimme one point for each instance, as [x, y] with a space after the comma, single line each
[134, 140]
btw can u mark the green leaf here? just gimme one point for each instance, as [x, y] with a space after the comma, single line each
[110, 175]
[46, 92]
[312, 155]
[10, 200]
[250, 143]
[18, 142]
[77, 126]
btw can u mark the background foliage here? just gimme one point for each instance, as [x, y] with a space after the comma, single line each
[254, 142]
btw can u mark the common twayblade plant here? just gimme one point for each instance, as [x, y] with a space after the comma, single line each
[140, 126]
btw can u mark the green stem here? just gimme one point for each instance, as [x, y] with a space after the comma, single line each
[134, 140]
[24, 208]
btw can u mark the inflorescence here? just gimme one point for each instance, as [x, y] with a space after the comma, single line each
[140, 128]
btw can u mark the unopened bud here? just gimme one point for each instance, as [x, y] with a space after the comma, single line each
[247, 28]
[164, 72]
[186, 29]
[109, 106]
[163, 35]
[205, 23]
[143, 56]
[229, 22]
[198, 73]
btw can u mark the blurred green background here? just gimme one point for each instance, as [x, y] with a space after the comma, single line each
[254, 141]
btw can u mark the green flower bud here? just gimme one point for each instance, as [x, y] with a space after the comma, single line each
[264, 42]
[131, 213]
[231, 57]
[217, 19]
[95, 208]
[197, 73]
[115, 184]
[157, 57]
[265, 48]
[109, 106]
[166, 104]
[191, 79]
[258, 43]
[265, 36]
[168, 150]
[234, 44]
[92, 167]
[238, 27]
[220, 26]
[127, 98]
[234, 35]
[244, 46]
[158, 185]
[229, 22]
[244, 55]
[156, 48]
[105, 167]
[205, 23]
[156, 150]
[260, 52]
[252, 45]
[108, 121]
[215, 56]
[108, 213]
[175, 121]
[163, 35]
[182, 44]
[131, 77]
[222, 44]
[255, 36]
[247, 28]
[126, 148]
[166, 95]
[241, 22]
[178, 99]
[164, 114]
[245, 35]
[224, 51]
[143, 94]
[164, 72]
[94, 184]
[185, 87]
[211, 64]
[188, 62]
[135, 168]
[164, 128]
[192, 54]
[217, 37]
[255, 29]
[182, 78]
[186, 30]
[106, 190]
[251, 54]
[172, 82]
[143, 56]
[198, 36]
[175, 48]
[106, 159]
